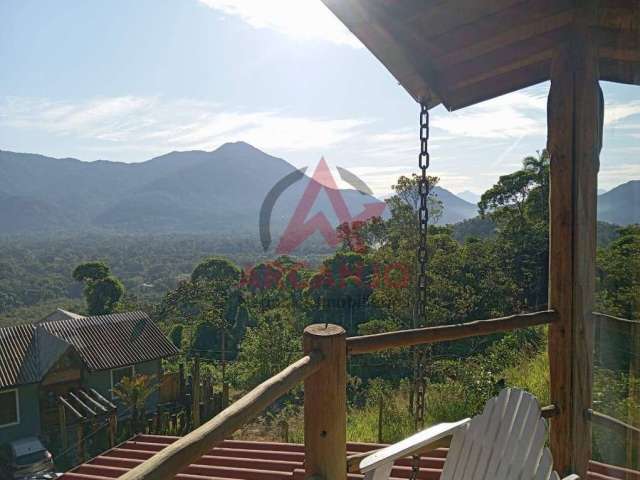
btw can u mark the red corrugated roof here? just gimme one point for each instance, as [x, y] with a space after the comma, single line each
[103, 342]
[238, 459]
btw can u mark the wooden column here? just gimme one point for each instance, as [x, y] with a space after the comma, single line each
[325, 404]
[575, 110]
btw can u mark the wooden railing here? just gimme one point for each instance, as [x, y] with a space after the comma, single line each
[422, 336]
[323, 370]
[168, 462]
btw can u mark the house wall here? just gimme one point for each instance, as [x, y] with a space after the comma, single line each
[101, 380]
[29, 416]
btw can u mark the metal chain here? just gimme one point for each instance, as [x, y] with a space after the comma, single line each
[421, 294]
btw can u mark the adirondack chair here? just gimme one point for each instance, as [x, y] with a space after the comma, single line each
[505, 442]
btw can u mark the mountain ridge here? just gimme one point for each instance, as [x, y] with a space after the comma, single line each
[193, 191]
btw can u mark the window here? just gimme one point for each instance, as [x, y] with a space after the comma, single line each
[9, 409]
[117, 374]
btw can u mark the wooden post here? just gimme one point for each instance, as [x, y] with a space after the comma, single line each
[62, 420]
[81, 445]
[225, 395]
[380, 415]
[633, 439]
[575, 118]
[325, 404]
[223, 353]
[181, 380]
[112, 429]
[195, 393]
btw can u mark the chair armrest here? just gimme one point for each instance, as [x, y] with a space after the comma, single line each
[411, 444]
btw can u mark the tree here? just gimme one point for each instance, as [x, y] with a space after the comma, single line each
[341, 289]
[91, 271]
[518, 204]
[103, 295]
[175, 334]
[216, 269]
[133, 393]
[268, 347]
[619, 275]
[205, 339]
[102, 291]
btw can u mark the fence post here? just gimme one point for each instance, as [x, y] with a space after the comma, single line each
[195, 393]
[325, 404]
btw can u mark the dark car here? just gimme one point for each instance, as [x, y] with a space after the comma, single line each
[25, 458]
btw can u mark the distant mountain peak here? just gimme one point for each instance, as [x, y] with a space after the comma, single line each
[469, 196]
[238, 147]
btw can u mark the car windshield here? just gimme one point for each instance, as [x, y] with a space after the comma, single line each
[29, 458]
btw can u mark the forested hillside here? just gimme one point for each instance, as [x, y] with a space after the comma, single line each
[219, 297]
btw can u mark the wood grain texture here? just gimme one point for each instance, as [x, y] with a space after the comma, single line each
[421, 336]
[574, 142]
[168, 462]
[461, 52]
[506, 441]
[325, 404]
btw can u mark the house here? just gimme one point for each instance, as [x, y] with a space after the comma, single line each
[74, 361]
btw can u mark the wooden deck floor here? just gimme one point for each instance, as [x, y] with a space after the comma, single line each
[244, 460]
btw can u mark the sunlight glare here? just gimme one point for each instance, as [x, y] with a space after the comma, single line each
[302, 19]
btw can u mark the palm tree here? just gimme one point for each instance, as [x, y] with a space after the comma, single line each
[133, 392]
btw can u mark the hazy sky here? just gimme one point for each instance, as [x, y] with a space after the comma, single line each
[128, 80]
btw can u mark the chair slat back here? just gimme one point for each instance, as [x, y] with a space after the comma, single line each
[505, 442]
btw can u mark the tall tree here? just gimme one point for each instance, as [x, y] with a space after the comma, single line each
[102, 291]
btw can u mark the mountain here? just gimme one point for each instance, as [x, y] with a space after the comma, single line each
[621, 205]
[219, 192]
[469, 196]
[455, 208]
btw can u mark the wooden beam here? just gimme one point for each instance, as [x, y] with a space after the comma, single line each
[71, 408]
[514, 17]
[325, 404]
[496, 86]
[612, 423]
[93, 401]
[170, 460]
[102, 399]
[440, 17]
[549, 411]
[444, 333]
[505, 37]
[469, 76]
[575, 110]
[82, 404]
[603, 317]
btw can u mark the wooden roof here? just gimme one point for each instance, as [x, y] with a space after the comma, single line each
[460, 52]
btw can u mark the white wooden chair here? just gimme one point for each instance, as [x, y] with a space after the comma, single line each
[505, 442]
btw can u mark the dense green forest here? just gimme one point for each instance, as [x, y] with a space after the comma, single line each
[219, 299]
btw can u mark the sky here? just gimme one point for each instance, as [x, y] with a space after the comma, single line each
[127, 81]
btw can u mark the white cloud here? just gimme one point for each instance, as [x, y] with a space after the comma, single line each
[613, 175]
[514, 115]
[614, 112]
[173, 124]
[306, 19]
